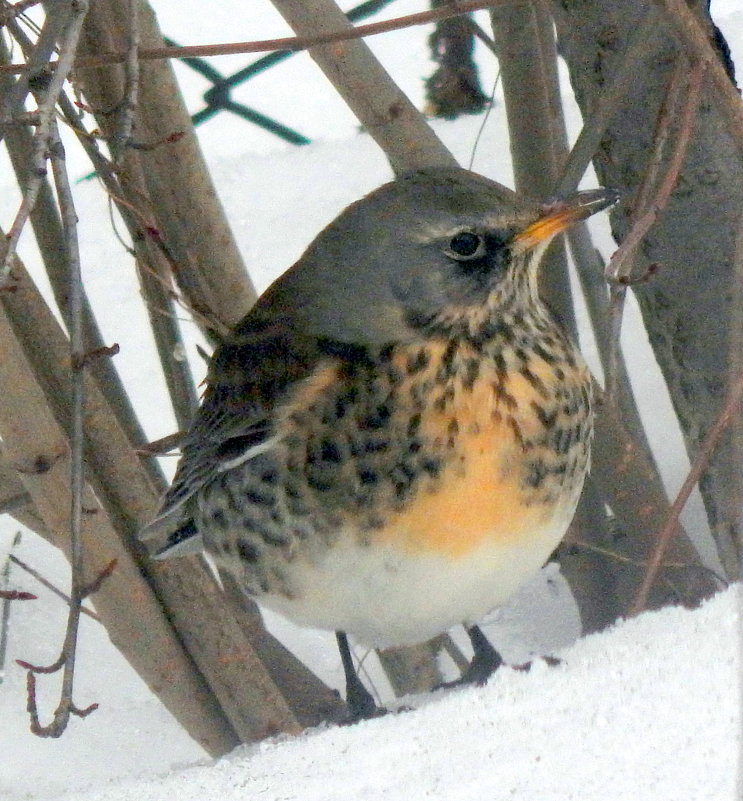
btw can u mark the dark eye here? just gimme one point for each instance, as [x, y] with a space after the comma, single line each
[466, 245]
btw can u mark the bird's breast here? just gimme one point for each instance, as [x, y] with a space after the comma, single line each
[443, 445]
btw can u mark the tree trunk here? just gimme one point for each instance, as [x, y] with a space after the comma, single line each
[687, 305]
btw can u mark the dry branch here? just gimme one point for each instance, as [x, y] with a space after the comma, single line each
[687, 27]
[39, 452]
[72, 15]
[381, 107]
[170, 183]
[665, 535]
[48, 584]
[653, 195]
[291, 44]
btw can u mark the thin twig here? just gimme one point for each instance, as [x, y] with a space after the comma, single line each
[123, 135]
[652, 198]
[17, 595]
[68, 655]
[48, 584]
[36, 67]
[164, 445]
[701, 461]
[46, 106]
[290, 43]
[16, 9]
[65, 661]
[481, 35]
[7, 596]
[609, 553]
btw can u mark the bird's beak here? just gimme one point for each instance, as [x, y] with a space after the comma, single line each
[561, 214]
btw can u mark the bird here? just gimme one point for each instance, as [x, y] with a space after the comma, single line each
[395, 437]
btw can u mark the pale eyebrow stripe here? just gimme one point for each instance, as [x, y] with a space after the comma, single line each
[430, 232]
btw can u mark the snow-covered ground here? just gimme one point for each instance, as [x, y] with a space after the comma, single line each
[646, 711]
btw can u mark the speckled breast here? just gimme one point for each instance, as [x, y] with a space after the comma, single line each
[434, 447]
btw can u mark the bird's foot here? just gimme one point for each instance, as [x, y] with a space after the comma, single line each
[485, 661]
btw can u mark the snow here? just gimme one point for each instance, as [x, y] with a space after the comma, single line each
[647, 711]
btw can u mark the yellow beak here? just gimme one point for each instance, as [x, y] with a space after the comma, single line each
[560, 215]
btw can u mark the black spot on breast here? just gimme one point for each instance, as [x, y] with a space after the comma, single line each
[562, 439]
[219, 519]
[269, 477]
[345, 399]
[504, 396]
[471, 372]
[535, 381]
[368, 476]
[444, 399]
[402, 476]
[247, 552]
[536, 472]
[376, 445]
[330, 452]
[547, 419]
[418, 361]
[377, 418]
[414, 423]
[544, 355]
[255, 496]
[432, 467]
[516, 429]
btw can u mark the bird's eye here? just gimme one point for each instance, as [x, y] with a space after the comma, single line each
[466, 245]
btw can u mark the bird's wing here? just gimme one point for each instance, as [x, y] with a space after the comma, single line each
[249, 375]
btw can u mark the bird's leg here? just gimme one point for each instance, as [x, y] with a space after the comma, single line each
[360, 702]
[485, 660]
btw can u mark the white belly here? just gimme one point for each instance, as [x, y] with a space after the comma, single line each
[385, 596]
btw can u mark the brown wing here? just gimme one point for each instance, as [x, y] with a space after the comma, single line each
[249, 376]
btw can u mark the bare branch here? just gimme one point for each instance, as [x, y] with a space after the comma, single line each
[701, 461]
[652, 197]
[123, 136]
[36, 69]
[65, 662]
[290, 43]
[17, 595]
[46, 104]
[78, 592]
[48, 584]
[16, 9]
[164, 445]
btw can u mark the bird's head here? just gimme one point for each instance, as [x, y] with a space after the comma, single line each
[436, 250]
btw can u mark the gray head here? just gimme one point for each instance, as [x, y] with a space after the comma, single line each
[434, 249]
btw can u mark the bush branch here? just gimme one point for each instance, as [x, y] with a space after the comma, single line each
[701, 461]
[652, 197]
[46, 103]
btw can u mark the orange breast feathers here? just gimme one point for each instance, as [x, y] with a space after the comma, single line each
[479, 495]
